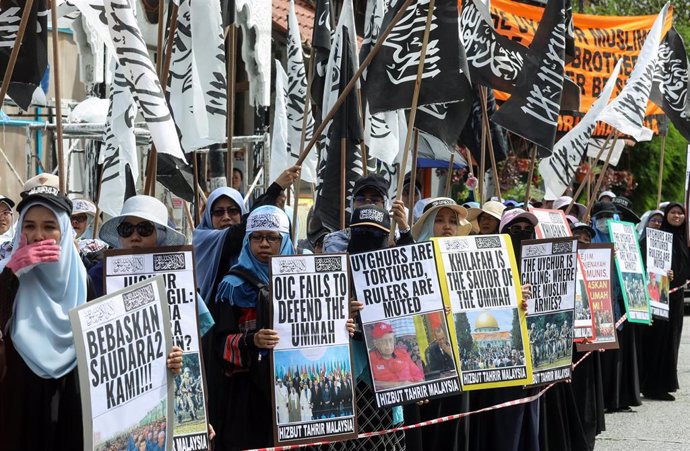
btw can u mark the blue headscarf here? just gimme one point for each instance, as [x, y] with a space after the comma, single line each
[234, 289]
[40, 326]
[208, 243]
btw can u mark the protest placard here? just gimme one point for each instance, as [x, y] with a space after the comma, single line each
[313, 393]
[552, 223]
[659, 254]
[122, 341]
[597, 262]
[550, 268]
[631, 272]
[481, 287]
[125, 267]
[405, 328]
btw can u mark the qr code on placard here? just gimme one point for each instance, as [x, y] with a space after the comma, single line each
[168, 262]
[487, 242]
[137, 298]
[563, 248]
[292, 266]
[98, 314]
[127, 264]
[328, 264]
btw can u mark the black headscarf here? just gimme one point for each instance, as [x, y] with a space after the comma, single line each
[680, 263]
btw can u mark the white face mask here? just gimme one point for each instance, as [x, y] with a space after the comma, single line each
[601, 224]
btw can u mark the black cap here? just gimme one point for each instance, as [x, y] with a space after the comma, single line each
[603, 207]
[374, 181]
[371, 216]
[624, 206]
[7, 200]
[47, 194]
[582, 226]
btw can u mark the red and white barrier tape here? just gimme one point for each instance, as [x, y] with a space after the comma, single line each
[457, 416]
[673, 290]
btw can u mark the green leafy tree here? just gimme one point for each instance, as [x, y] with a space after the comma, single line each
[463, 331]
[642, 160]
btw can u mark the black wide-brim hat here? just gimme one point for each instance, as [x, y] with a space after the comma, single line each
[45, 194]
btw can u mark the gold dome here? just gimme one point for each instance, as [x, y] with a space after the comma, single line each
[486, 321]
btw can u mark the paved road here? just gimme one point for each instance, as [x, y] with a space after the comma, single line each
[655, 425]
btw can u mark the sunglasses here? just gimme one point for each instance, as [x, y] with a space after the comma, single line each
[520, 228]
[144, 229]
[220, 211]
[270, 239]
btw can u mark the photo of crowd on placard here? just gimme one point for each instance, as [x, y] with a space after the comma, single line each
[147, 435]
[550, 339]
[410, 350]
[604, 325]
[489, 339]
[313, 384]
[635, 289]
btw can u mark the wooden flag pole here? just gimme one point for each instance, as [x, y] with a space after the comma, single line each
[196, 188]
[231, 69]
[494, 168]
[415, 100]
[449, 177]
[362, 145]
[661, 170]
[98, 201]
[413, 179]
[7, 76]
[58, 97]
[164, 68]
[353, 81]
[603, 173]
[531, 174]
[589, 171]
[343, 179]
[589, 180]
[161, 30]
[482, 165]
[302, 138]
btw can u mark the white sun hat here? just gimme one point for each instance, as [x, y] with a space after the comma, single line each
[144, 207]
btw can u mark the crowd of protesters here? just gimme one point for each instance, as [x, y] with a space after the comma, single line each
[50, 263]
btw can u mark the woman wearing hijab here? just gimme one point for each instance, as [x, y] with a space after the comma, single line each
[519, 425]
[441, 217]
[241, 338]
[217, 240]
[619, 366]
[42, 280]
[586, 379]
[662, 340]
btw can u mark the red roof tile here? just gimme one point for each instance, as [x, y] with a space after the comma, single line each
[305, 17]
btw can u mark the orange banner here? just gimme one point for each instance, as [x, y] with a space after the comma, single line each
[599, 42]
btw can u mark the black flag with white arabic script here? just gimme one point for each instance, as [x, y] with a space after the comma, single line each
[670, 86]
[321, 48]
[392, 74]
[346, 126]
[496, 61]
[33, 55]
[532, 110]
[471, 134]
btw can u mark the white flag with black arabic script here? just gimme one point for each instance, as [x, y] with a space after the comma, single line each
[626, 112]
[297, 101]
[559, 169]
[117, 25]
[197, 85]
[119, 147]
[279, 138]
